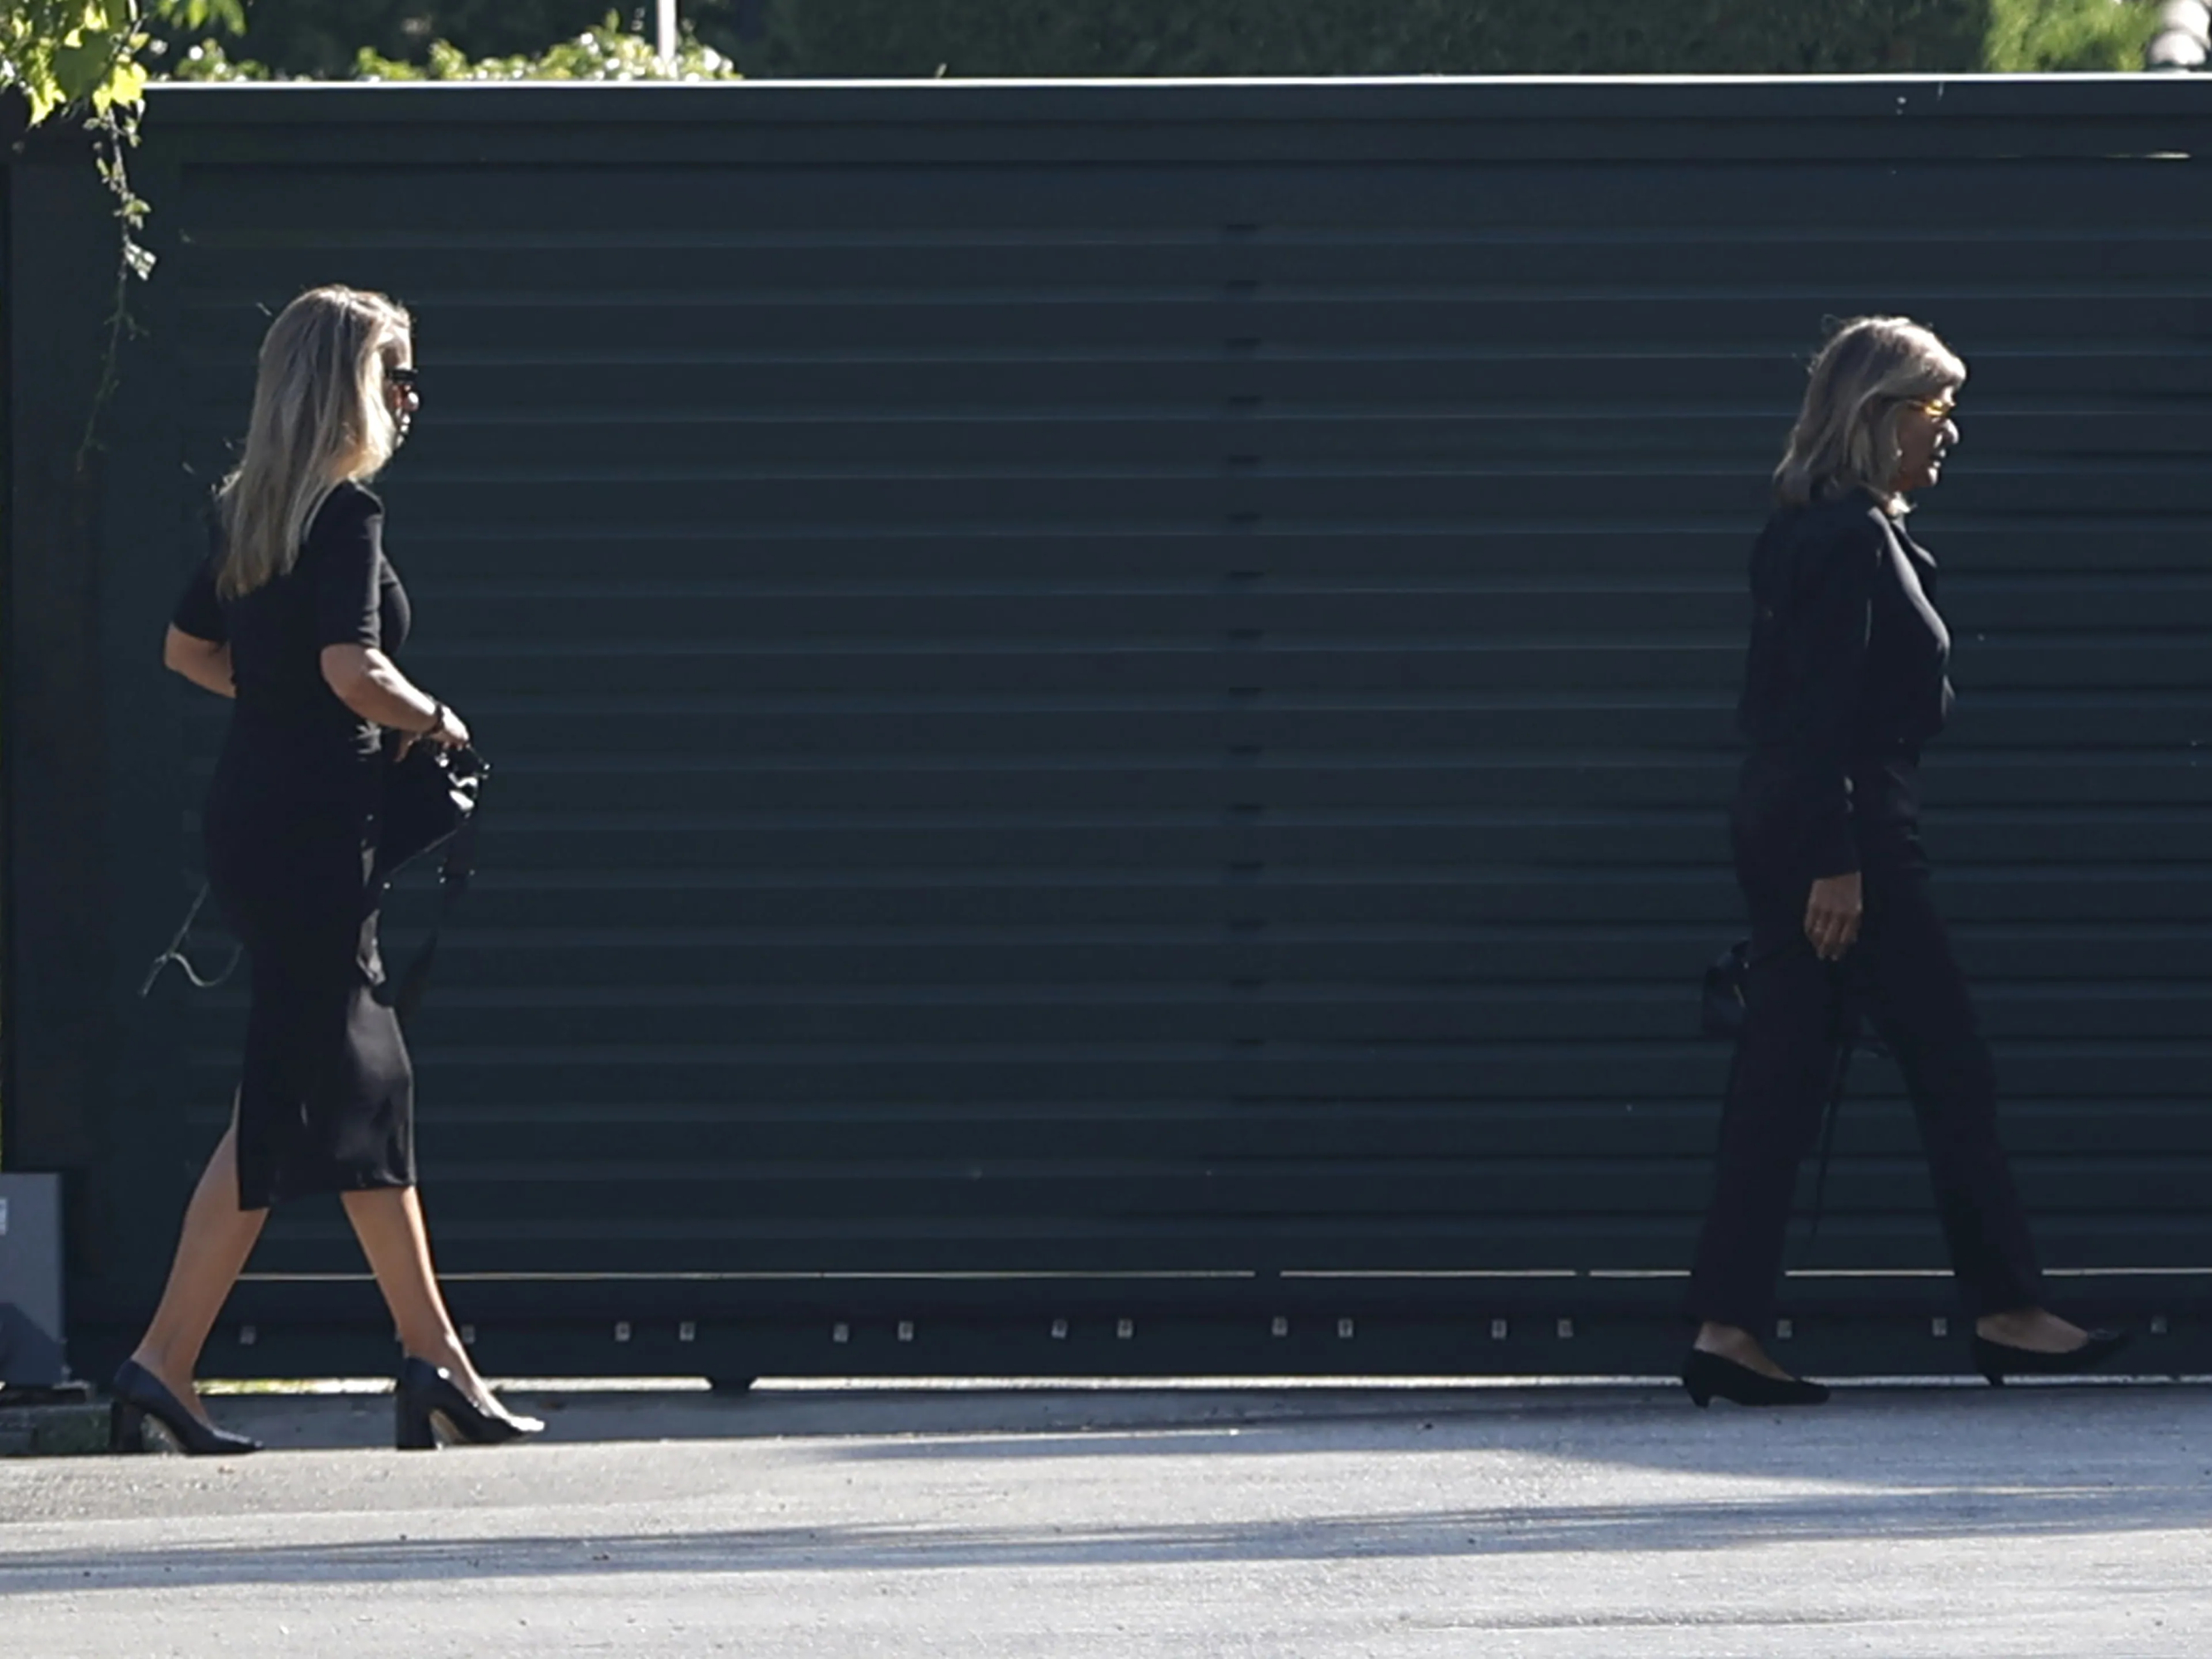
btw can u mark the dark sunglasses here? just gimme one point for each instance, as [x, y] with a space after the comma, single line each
[405, 379]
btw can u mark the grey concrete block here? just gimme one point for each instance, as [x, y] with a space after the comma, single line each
[31, 1279]
[52, 1430]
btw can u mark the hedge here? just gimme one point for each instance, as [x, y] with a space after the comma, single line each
[840, 38]
[833, 38]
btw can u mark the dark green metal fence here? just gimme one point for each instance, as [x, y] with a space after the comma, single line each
[1112, 703]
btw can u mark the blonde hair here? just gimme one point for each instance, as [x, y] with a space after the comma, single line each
[1870, 370]
[321, 416]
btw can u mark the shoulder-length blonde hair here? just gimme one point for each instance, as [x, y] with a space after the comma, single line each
[1871, 369]
[321, 416]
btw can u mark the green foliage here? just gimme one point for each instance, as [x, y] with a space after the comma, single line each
[63, 52]
[608, 52]
[95, 54]
[990, 38]
[2027, 35]
[865, 38]
[913, 37]
[323, 40]
[85, 54]
[207, 61]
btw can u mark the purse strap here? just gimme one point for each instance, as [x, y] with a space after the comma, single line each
[1723, 1005]
[404, 995]
[1847, 1045]
[176, 952]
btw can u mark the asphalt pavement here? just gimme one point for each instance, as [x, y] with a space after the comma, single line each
[1065, 1523]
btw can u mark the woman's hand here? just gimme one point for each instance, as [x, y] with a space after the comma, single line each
[1831, 915]
[447, 730]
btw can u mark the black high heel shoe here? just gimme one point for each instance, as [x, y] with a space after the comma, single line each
[140, 1395]
[429, 1404]
[1711, 1376]
[1998, 1361]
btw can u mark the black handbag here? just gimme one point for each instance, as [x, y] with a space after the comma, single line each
[1721, 1006]
[430, 799]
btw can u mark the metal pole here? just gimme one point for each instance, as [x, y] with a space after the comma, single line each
[665, 31]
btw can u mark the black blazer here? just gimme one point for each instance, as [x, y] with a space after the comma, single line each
[1847, 671]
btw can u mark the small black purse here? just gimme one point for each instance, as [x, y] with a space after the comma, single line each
[430, 799]
[1720, 1007]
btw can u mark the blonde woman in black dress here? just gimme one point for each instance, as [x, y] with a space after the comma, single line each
[298, 616]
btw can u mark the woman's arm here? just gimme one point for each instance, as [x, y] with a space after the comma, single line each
[1836, 621]
[205, 662]
[370, 683]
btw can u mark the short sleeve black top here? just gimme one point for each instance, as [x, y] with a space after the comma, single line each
[1848, 667]
[342, 591]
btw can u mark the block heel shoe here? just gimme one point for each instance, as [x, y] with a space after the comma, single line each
[1709, 1376]
[140, 1396]
[431, 1407]
[1996, 1361]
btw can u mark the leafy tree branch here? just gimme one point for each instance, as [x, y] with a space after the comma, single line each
[85, 58]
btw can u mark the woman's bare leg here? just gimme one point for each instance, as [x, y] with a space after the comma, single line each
[2032, 1329]
[211, 1251]
[388, 1222]
[2035, 1329]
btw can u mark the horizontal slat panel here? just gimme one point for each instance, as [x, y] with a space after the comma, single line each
[1176, 713]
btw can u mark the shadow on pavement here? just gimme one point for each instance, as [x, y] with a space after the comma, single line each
[1443, 1532]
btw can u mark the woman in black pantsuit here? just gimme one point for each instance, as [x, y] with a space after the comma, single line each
[1845, 680]
[297, 614]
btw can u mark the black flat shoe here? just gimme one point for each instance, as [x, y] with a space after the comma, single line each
[140, 1395]
[1998, 1361]
[430, 1406]
[1709, 1376]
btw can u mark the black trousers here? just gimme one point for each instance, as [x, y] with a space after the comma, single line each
[1902, 976]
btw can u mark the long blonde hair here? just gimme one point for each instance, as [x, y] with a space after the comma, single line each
[321, 416]
[1871, 369]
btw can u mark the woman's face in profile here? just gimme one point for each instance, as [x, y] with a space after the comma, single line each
[1925, 432]
[400, 385]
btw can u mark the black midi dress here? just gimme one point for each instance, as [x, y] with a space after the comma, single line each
[327, 1098]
